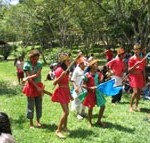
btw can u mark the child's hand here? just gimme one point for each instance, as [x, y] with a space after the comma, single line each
[71, 98]
[92, 89]
[77, 90]
[25, 79]
[40, 90]
[63, 73]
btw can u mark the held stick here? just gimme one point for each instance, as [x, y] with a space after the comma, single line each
[147, 56]
[44, 91]
[73, 61]
[47, 92]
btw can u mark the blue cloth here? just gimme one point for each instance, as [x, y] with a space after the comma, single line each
[108, 88]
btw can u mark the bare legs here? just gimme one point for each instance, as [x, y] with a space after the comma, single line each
[135, 96]
[63, 121]
[90, 110]
[101, 111]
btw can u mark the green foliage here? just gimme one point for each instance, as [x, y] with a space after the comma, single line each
[121, 125]
[76, 23]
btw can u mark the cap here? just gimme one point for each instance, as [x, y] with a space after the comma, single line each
[137, 46]
[63, 56]
[120, 51]
[92, 62]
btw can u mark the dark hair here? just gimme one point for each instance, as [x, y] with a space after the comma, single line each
[5, 126]
[62, 65]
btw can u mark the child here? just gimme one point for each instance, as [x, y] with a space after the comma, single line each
[62, 92]
[19, 68]
[34, 87]
[90, 81]
[51, 75]
[137, 76]
[108, 54]
[76, 79]
[5, 129]
[117, 69]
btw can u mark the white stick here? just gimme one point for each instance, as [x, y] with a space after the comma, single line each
[73, 61]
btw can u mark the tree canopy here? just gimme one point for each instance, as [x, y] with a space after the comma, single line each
[68, 23]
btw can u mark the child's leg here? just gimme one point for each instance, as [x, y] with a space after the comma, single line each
[134, 95]
[38, 105]
[30, 109]
[66, 119]
[101, 111]
[77, 106]
[137, 100]
[114, 98]
[83, 110]
[90, 110]
[119, 96]
[63, 120]
[18, 77]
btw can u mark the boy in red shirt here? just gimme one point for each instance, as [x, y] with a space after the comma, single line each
[117, 68]
[108, 54]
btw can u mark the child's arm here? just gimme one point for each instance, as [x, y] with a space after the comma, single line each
[32, 82]
[84, 85]
[76, 88]
[32, 76]
[56, 81]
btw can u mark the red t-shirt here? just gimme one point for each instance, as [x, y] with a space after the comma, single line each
[136, 79]
[61, 93]
[117, 66]
[109, 54]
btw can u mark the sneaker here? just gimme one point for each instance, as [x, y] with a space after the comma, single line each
[79, 117]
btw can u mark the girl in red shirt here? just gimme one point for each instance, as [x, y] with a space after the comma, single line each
[90, 81]
[137, 78]
[62, 92]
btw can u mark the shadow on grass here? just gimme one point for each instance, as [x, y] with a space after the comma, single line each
[19, 122]
[145, 110]
[8, 89]
[95, 116]
[119, 127]
[124, 102]
[81, 133]
[49, 127]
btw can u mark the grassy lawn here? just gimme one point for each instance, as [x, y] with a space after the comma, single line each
[121, 125]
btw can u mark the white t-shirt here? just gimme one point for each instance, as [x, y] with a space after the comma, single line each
[6, 138]
[19, 65]
[77, 77]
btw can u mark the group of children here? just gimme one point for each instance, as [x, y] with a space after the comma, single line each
[85, 76]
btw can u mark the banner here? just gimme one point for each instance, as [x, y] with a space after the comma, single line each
[108, 88]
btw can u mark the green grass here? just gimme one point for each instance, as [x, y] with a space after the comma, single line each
[122, 126]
